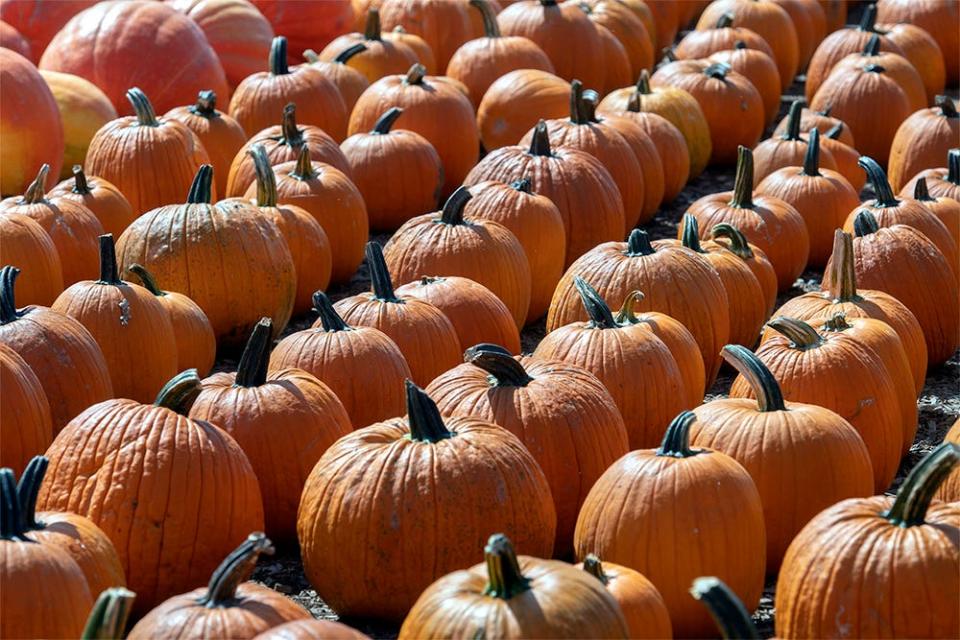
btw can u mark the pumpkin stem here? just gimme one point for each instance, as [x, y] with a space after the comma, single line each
[385, 122]
[108, 261]
[200, 188]
[725, 21]
[743, 186]
[913, 499]
[588, 105]
[825, 112]
[717, 70]
[800, 334]
[504, 578]
[865, 223]
[266, 181]
[329, 317]
[875, 68]
[540, 144]
[452, 212]
[8, 303]
[843, 273]
[669, 55]
[947, 108]
[252, 370]
[643, 83]
[523, 185]
[577, 115]
[881, 186]
[235, 569]
[757, 375]
[28, 489]
[371, 30]
[11, 522]
[278, 57]
[379, 274]
[35, 191]
[80, 180]
[346, 54]
[638, 244]
[676, 441]
[690, 233]
[416, 74]
[303, 170]
[108, 618]
[872, 46]
[921, 192]
[628, 313]
[597, 310]
[811, 160]
[548, 3]
[792, 132]
[290, 134]
[738, 242]
[836, 323]
[311, 56]
[180, 392]
[725, 608]
[146, 116]
[206, 105]
[739, 45]
[503, 368]
[869, 19]
[635, 102]
[426, 424]
[834, 132]
[146, 279]
[490, 27]
[953, 166]
[593, 566]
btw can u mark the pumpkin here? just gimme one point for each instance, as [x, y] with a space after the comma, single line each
[573, 440]
[99, 43]
[949, 489]
[83, 110]
[768, 222]
[942, 181]
[305, 25]
[846, 157]
[757, 67]
[211, 481]
[822, 121]
[331, 198]
[822, 197]
[421, 49]
[923, 52]
[308, 629]
[259, 96]
[196, 346]
[730, 103]
[12, 39]
[897, 66]
[747, 304]
[284, 142]
[674, 104]
[783, 445]
[478, 63]
[136, 341]
[229, 607]
[922, 140]
[946, 209]
[221, 135]
[564, 32]
[637, 367]
[58, 349]
[72, 227]
[28, 571]
[629, 518]
[841, 43]
[379, 57]
[727, 610]
[385, 155]
[24, 242]
[515, 102]
[843, 296]
[306, 239]
[350, 361]
[627, 28]
[641, 603]
[697, 299]
[786, 150]
[287, 415]
[836, 12]
[581, 187]
[425, 336]
[237, 32]
[475, 312]
[889, 210]
[39, 21]
[151, 160]
[442, 24]
[838, 372]
[349, 82]
[722, 36]
[810, 21]
[434, 107]
[938, 17]
[110, 613]
[688, 12]
[770, 21]
[730, 237]
[28, 107]
[230, 260]
[26, 428]
[107, 203]
[863, 553]
[344, 517]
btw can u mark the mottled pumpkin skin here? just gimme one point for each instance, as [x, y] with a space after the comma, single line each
[642, 605]
[25, 244]
[311, 629]
[26, 428]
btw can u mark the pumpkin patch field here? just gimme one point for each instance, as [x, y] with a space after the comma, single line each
[479, 318]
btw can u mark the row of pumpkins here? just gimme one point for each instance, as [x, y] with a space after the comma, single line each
[532, 232]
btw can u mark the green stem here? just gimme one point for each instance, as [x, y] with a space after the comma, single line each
[725, 21]
[329, 318]
[947, 107]
[881, 186]
[146, 278]
[916, 493]
[869, 19]
[303, 170]
[371, 30]
[872, 46]
[576, 103]
[490, 27]
[426, 424]
[266, 181]
[717, 70]
[635, 102]
[108, 618]
[743, 186]
[452, 212]
[108, 261]
[415, 75]
[843, 272]
[738, 242]
[638, 244]
[920, 191]
[379, 274]
[80, 181]
[757, 375]
[252, 370]
[811, 160]
[8, 303]
[344, 56]
[180, 392]
[825, 112]
[643, 83]
[146, 116]
[235, 569]
[11, 522]
[504, 578]
[864, 224]
[953, 166]
[35, 192]
[385, 122]
[597, 310]
[593, 566]
[278, 57]
[834, 132]
[28, 489]
[540, 144]
[792, 132]
[690, 233]
[503, 368]
[676, 441]
[291, 136]
[725, 608]
[627, 313]
[524, 185]
[206, 105]
[800, 334]
[201, 187]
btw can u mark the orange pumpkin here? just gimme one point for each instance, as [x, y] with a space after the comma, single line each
[641, 603]
[349, 82]
[442, 24]
[26, 428]
[628, 28]
[810, 21]
[722, 36]
[378, 58]
[308, 629]
[923, 52]
[922, 140]
[107, 203]
[516, 101]
[39, 21]
[940, 18]
[942, 181]
[946, 209]
[757, 67]
[786, 150]
[846, 157]
[730, 237]
[24, 242]
[897, 66]
[836, 12]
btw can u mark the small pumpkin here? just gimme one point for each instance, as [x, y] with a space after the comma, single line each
[516, 101]
[846, 157]
[949, 489]
[420, 47]
[26, 428]
[938, 17]
[444, 25]
[730, 237]
[891, 544]
[641, 603]
[380, 57]
[722, 36]
[24, 242]
[105, 200]
[757, 67]
[923, 52]
[942, 181]
[786, 150]
[308, 629]
[922, 140]
[349, 82]
[898, 67]
[822, 121]
[946, 209]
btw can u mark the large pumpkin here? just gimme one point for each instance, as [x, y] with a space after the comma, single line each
[26, 428]
[306, 24]
[922, 140]
[107, 203]
[83, 110]
[378, 57]
[345, 519]
[24, 242]
[173, 58]
[516, 101]
[923, 52]
[444, 25]
[940, 18]
[38, 21]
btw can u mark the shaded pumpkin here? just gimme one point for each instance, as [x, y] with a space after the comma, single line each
[897, 66]
[941, 181]
[786, 150]
[312, 24]
[757, 67]
[443, 25]
[949, 489]
[730, 237]
[420, 47]
[846, 157]
[24, 242]
[666, 17]
[308, 629]
[822, 121]
[101, 197]
[923, 52]
[922, 140]
[722, 36]
[349, 82]
[624, 23]
[26, 428]
[938, 17]
[836, 13]
[380, 57]
[516, 101]
[946, 209]
[810, 21]
[641, 603]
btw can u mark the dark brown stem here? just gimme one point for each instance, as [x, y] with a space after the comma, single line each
[35, 192]
[180, 392]
[452, 212]
[8, 302]
[303, 170]
[426, 424]
[593, 566]
[504, 578]
[800, 334]
[329, 318]
[252, 370]
[379, 274]
[278, 57]
[725, 608]
[811, 160]
[523, 185]
[843, 273]
[503, 368]
[576, 103]
[725, 21]
[80, 181]
[916, 493]
[108, 261]
[738, 242]
[146, 116]
[344, 56]
[371, 30]
[490, 27]
[953, 166]
[717, 70]
[864, 224]
[597, 310]
[540, 144]
[743, 186]
[206, 105]
[638, 244]
[266, 181]
[235, 569]
[146, 278]
[201, 188]
[792, 131]
[385, 122]
[690, 233]
[291, 135]
[757, 375]
[416, 74]
[676, 441]
[947, 107]
[635, 102]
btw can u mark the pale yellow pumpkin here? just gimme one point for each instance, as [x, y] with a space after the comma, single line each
[84, 108]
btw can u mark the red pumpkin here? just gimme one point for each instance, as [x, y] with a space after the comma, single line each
[307, 24]
[26, 428]
[39, 21]
[24, 242]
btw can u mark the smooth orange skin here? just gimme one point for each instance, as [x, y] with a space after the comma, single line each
[641, 603]
[349, 82]
[222, 138]
[26, 428]
[760, 69]
[443, 25]
[311, 629]
[39, 21]
[105, 200]
[923, 52]
[514, 103]
[420, 47]
[921, 142]
[810, 21]
[627, 27]
[26, 245]
[196, 345]
[834, 48]
[480, 62]
[940, 18]
[651, 167]
[762, 268]
[670, 145]
[616, 63]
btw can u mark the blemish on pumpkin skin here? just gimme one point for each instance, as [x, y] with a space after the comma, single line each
[124, 312]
